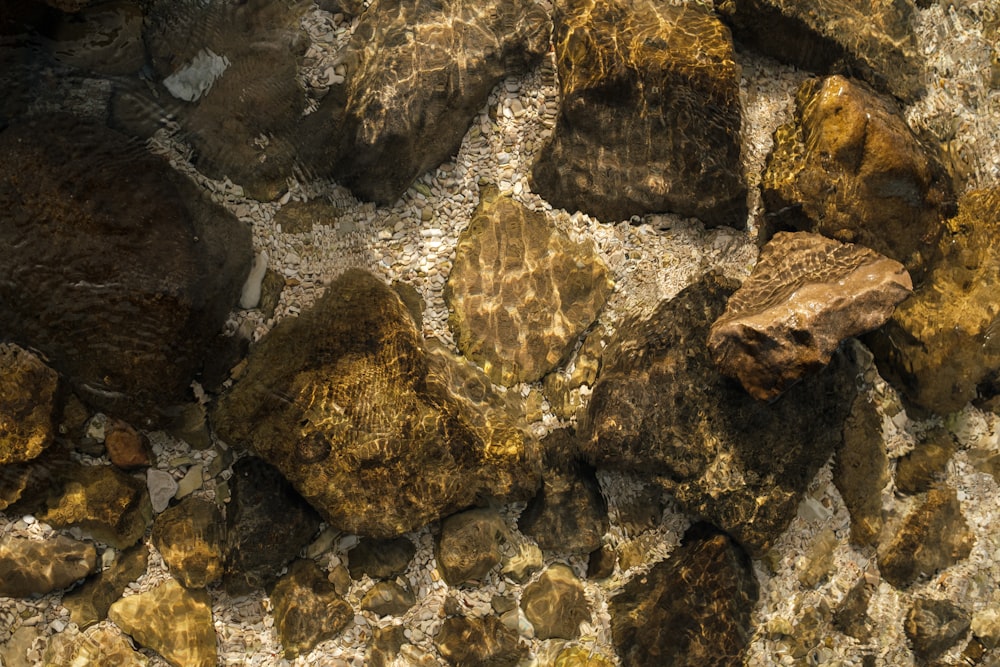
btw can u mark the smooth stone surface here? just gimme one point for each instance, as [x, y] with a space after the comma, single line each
[36, 567]
[861, 471]
[381, 559]
[521, 292]
[555, 604]
[388, 598]
[469, 545]
[171, 620]
[126, 447]
[161, 486]
[691, 609]
[462, 641]
[917, 471]
[27, 394]
[189, 537]
[89, 603]
[99, 645]
[105, 38]
[807, 294]
[933, 626]
[649, 118]
[307, 609]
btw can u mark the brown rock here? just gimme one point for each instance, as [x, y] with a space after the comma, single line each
[521, 292]
[307, 609]
[650, 114]
[27, 394]
[848, 167]
[388, 598]
[189, 537]
[127, 448]
[806, 294]
[933, 626]
[555, 604]
[478, 641]
[98, 645]
[381, 559]
[89, 603]
[601, 563]
[469, 545]
[105, 38]
[36, 567]
[861, 471]
[851, 617]
[916, 471]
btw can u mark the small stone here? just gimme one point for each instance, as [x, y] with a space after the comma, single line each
[36, 567]
[127, 448]
[555, 604]
[189, 537]
[469, 545]
[307, 609]
[191, 482]
[381, 559]
[388, 598]
[478, 641]
[525, 561]
[162, 487]
[916, 471]
[816, 565]
[933, 626]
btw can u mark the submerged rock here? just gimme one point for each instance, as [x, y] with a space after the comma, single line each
[462, 640]
[555, 604]
[933, 626]
[189, 537]
[27, 402]
[469, 545]
[381, 559]
[36, 567]
[307, 609]
[89, 603]
[98, 645]
[650, 114]
[807, 293]
[861, 471]
[916, 471]
[388, 598]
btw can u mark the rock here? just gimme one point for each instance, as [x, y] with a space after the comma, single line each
[162, 486]
[469, 545]
[19, 645]
[478, 641]
[662, 409]
[381, 559]
[127, 448]
[521, 292]
[874, 40]
[848, 167]
[986, 627]
[933, 626]
[915, 472]
[388, 598]
[642, 510]
[815, 566]
[932, 537]
[524, 562]
[569, 515]
[98, 645]
[267, 524]
[851, 617]
[601, 563]
[807, 293]
[104, 502]
[125, 268]
[385, 645]
[555, 604]
[861, 471]
[650, 114]
[417, 75]
[189, 537]
[192, 480]
[307, 609]
[379, 435]
[89, 603]
[939, 348]
[581, 656]
[105, 38]
[173, 621]
[190, 426]
[563, 390]
[27, 396]
[36, 567]
[691, 609]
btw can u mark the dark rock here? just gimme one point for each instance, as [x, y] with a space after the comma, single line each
[376, 433]
[601, 563]
[692, 609]
[89, 603]
[874, 40]
[563, 390]
[861, 471]
[661, 408]
[933, 626]
[105, 38]
[851, 617]
[388, 598]
[569, 514]
[36, 567]
[27, 401]
[386, 642]
[469, 545]
[126, 447]
[555, 604]
[983, 460]
[409, 97]
[300, 217]
[642, 510]
[125, 269]
[98, 645]
[381, 559]
[916, 471]
[521, 292]
[173, 621]
[104, 502]
[464, 641]
[650, 114]
[807, 293]
[940, 349]
[307, 609]
[189, 537]
[267, 524]
[848, 167]
[932, 537]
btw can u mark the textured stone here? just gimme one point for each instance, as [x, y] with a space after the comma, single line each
[650, 114]
[871, 39]
[27, 394]
[807, 293]
[99, 645]
[916, 471]
[478, 641]
[417, 75]
[379, 435]
[381, 559]
[267, 524]
[89, 603]
[555, 604]
[940, 348]
[388, 598]
[816, 564]
[933, 626]
[126, 447]
[932, 537]
[851, 617]
[524, 562]
[469, 545]
[662, 409]
[848, 167]
[307, 609]
[124, 269]
[189, 537]
[104, 502]
[581, 656]
[691, 609]
[30, 567]
[861, 471]
[105, 38]
[563, 390]
[521, 292]
[601, 563]
[171, 620]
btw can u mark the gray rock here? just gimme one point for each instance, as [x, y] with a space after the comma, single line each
[469, 545]
[161, 486]
[307, 609]
[555, 604]
[36, 567]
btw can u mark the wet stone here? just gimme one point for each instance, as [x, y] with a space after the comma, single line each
[36, 567]
[524, 562]
[469, 545]
[916, 471]
[89, 603]
[307, 609]
[386, 642]
[189, 537]
[388, 598]
[934, 626]
[601, 563]
[381, 559]
[98, 645]
[851, 617]
[27, 394]
[817, 564]
[126, 447]
[555, 604]
[161, 486]
[462, 640]
[861, 471]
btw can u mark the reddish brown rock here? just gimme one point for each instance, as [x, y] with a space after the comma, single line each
[27, 395]
[806, 294]
[127, 448]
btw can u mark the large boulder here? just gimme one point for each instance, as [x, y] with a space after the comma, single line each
[124, 269]
[36, 567]
[650, 116]
[346, 402]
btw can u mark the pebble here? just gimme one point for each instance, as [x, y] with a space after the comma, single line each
[162, 487]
